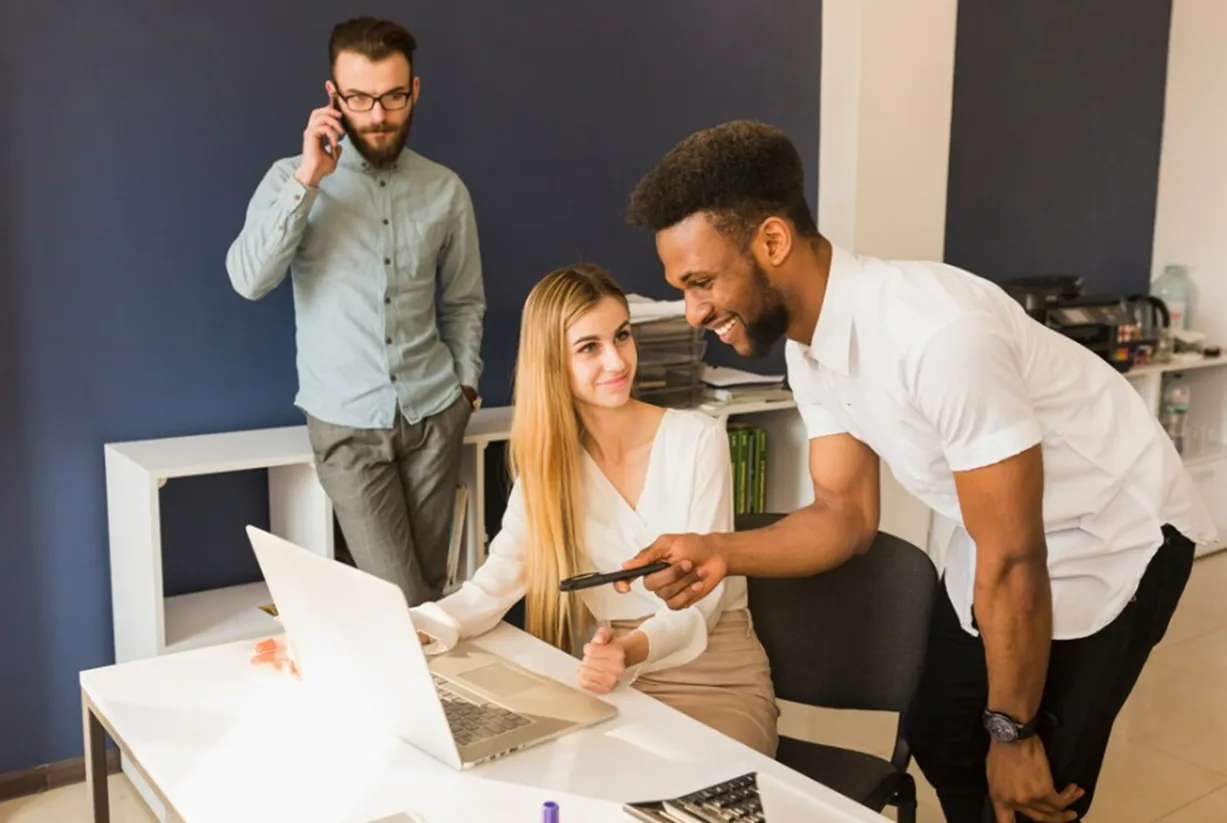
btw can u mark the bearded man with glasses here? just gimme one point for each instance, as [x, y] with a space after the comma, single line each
[381, 245]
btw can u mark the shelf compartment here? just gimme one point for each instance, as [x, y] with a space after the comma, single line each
[216, 616]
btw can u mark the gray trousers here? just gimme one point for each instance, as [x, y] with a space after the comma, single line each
[394, 492]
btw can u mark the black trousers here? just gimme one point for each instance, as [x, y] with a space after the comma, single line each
[1088, 682]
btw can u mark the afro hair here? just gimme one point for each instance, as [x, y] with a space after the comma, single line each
[740, 172]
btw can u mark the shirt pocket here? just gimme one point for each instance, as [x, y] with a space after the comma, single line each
[419, 248]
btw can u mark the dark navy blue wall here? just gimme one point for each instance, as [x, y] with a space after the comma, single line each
[1054, 145]
[135, 133]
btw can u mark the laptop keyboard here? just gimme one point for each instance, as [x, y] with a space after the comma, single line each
[733, 800]
[474, 722]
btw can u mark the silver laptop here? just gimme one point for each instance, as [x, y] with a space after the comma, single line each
[353, 639]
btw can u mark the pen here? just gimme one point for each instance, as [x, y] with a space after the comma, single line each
[549, 812]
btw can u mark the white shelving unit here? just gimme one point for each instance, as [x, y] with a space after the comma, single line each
[146, 623]
[1205, 451]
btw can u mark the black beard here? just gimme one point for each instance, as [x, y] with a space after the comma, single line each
[772, 320]
[380, 158]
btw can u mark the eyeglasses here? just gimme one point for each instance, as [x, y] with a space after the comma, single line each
[390, 100]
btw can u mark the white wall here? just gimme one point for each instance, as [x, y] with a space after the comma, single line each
[1191, 218]
[887, 81]
[884, 145]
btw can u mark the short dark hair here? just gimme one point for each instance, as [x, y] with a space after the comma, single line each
[740, 172]
[373, 38]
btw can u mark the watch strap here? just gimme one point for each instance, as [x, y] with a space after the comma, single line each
[1003, 727]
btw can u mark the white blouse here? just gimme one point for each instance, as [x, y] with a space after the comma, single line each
[688, 488]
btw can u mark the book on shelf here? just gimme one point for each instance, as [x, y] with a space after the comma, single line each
[748, 448]
[456, 544]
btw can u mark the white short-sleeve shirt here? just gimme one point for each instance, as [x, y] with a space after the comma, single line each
[938, 370]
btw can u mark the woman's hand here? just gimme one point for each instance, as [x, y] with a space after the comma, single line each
[272, 651]
[604, 661]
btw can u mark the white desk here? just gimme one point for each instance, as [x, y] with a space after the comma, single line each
[221, 740]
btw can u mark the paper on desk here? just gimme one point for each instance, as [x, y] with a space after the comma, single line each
[723, 376]
[645, 308]
[784, 804]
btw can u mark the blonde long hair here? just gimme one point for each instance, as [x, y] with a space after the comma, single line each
[545, 453]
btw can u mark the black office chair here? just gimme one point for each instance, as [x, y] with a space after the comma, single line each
[850, 638]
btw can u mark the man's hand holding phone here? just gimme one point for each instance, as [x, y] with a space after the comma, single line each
[695, 568]
[321, 146]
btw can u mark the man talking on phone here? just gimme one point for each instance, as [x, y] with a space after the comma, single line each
[382, 247]
[1076, 517]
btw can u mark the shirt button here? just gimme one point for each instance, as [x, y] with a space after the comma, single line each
[385, 221]
[387, 300]
[382, 183]
[387, 262]
[393, 377]
[388, 340]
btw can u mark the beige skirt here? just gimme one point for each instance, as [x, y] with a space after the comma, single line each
[727, 687]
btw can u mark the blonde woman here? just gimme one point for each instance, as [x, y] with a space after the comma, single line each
[598, 476]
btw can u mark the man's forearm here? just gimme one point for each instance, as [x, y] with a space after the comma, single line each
[466, 358]
[809, 541]
[259, 257]
[1013, 608]
[460, 329]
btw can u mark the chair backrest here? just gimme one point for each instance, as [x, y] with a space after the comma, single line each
[850, 638]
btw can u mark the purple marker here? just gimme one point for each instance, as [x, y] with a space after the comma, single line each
[549, 812]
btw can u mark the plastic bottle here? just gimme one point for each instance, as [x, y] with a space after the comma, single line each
[1175, 289]
[1176, 409]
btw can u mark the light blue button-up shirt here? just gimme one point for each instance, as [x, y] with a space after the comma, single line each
[388, 293]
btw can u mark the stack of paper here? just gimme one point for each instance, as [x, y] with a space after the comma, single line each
[725, 377]
[644, 309]
[724, 383]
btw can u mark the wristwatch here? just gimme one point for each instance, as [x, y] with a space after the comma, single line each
[1005, 729]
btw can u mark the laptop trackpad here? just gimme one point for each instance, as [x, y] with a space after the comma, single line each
[496, 678]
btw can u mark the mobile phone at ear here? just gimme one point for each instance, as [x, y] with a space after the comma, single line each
[592, 579]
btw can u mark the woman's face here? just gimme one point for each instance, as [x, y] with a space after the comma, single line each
[602, 355]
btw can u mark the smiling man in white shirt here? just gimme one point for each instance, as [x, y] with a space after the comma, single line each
[1076, 517]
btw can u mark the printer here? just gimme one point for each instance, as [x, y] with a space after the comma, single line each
[1123, 330]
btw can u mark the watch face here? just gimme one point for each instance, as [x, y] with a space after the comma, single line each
[1000, 728]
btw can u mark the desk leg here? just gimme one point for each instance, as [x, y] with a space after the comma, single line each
[95, 764]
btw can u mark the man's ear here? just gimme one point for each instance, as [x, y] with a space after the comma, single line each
[776, 237]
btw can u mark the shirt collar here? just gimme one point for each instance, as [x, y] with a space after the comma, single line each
[831, 345]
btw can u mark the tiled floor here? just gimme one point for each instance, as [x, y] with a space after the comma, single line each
[1167, 760]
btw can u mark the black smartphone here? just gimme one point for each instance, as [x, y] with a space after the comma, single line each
[587, 581]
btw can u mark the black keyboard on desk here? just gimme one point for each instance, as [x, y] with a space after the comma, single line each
[732, 801]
